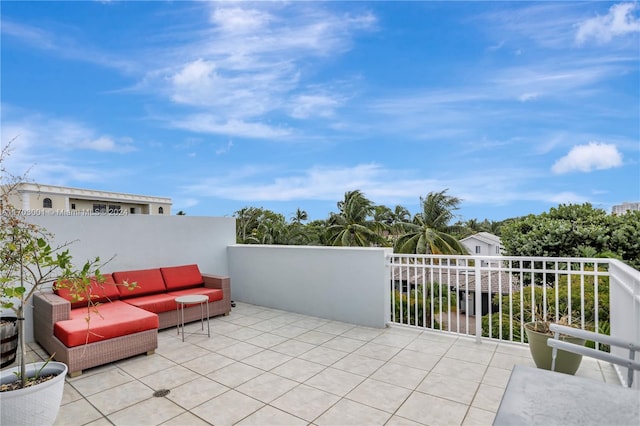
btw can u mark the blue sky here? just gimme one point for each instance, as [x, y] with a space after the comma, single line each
[512, 107]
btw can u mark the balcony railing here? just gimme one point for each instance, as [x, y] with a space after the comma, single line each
[493, 297]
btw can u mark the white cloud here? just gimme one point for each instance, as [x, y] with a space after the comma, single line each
[47, 147]
[61, 45]
[314, 105]
[239, 20]
[193, 79]
[585, 158]
[252, 61]
[224, 149]
[36, 132]
[318, 182]
[619, 21]
[525, 97]
[565, 198]
[208, 123]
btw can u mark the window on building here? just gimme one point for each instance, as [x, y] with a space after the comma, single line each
[47, 203]
[160, 210]
[73, 206]
[132, 210]
[99, 208]
[497, 250]
[115, 209]
[478, 248]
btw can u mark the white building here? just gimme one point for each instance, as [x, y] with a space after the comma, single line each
[35, 199]
[483, 244]
[625, 207]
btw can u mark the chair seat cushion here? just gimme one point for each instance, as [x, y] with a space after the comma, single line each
[213, 293]
[112, 320]
[156, 303]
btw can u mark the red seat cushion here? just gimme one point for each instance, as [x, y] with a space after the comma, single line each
[213, 293]
[155, 303]
[179, 277]
[98, 292]
[113, 320]
[148, 281]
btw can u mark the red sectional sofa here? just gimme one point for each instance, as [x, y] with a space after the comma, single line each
[127, 321]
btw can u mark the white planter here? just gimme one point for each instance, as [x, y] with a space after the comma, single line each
[35, 405]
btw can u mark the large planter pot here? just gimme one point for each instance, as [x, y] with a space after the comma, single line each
[8, 340]
[566, 362]
[33, 405]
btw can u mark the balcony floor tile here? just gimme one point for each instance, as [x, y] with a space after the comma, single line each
[265, 366]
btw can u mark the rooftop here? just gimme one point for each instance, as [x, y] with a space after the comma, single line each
[266, 366]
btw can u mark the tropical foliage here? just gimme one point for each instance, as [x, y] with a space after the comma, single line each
[415, 306]
[575, 230]
[565, 231]
[576, 301]
[430, 232]
[353, 225]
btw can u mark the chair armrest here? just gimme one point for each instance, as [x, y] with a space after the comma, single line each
[48, 308]
[217, 281]
[52, 307]
[596, 337]
[603, 356]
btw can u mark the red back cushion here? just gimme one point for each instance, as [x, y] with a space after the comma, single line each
[98, 292]
[148, 281]
[179, 277]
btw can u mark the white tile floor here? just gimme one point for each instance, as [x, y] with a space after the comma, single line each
[268, 367]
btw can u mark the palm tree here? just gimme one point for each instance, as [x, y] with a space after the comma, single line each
[352, 226]
[299, 216]
[429, 232]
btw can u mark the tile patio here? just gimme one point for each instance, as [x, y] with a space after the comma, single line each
[268, 367]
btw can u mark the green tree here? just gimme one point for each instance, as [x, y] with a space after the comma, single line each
[353, 225]
[430, 232]
[299, 216]
[574, 230]
[624, 239]
[260, 226]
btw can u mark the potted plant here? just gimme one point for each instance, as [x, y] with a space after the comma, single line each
[537, 335]
[31, 394]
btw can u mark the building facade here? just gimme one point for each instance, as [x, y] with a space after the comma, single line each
[33, 198]
[483, 244]
[625, 207]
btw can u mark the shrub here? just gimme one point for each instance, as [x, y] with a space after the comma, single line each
[578, 300]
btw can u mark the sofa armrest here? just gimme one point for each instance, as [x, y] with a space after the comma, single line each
[52, 306]
[48, 308]
[219, 282]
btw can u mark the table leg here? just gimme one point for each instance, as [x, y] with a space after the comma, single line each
[208, 328]
[202, 316]
[182, 319]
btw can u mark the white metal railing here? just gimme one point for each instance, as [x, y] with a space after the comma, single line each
[494, 296]
[625, 312]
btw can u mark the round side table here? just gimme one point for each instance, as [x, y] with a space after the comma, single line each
[193, 299]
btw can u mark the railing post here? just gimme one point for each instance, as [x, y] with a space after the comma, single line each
[478, 300]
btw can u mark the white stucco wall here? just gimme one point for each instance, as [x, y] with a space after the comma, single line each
[339, 283]
[142, 241]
